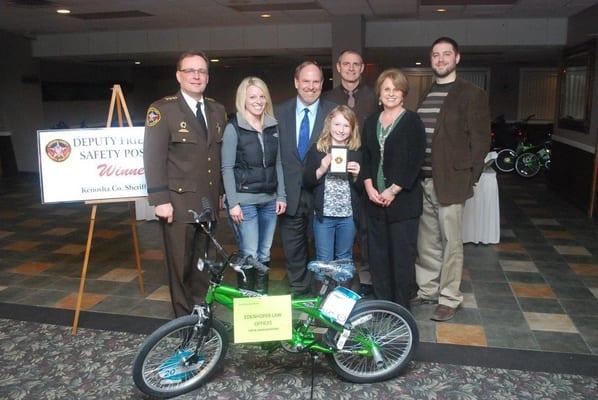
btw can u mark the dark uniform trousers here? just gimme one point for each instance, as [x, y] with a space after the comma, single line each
[184, 244]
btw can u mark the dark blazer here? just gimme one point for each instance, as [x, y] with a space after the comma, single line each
[404, 151]
[461, 142]
[181, 165]
[317, 186]
[292, 165]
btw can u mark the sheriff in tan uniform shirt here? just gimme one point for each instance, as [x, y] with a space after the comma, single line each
[182, 165]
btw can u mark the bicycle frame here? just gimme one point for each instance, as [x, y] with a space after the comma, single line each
[303, 336]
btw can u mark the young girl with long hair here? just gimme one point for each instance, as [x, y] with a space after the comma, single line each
[336, 196]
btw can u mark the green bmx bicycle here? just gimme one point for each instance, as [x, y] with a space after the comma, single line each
[375, 343]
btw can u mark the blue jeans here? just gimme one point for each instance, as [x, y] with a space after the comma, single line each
[256, 231]
[334, 238]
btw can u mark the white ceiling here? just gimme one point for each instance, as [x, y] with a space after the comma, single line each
[35, 17]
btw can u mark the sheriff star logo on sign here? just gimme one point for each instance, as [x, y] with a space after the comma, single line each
[58, 150]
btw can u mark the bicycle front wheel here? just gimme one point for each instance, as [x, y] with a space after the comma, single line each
[380, 345]
[177, 358]
[505, 160]
[528, 165]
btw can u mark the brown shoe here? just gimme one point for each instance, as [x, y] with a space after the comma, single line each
[443, 313]
[418, 301]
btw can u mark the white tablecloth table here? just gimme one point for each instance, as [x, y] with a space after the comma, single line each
[481, 216]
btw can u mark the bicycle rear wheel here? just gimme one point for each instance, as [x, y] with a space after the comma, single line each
[528, 165]
[505, 160]
[380, 345]
[170, 362]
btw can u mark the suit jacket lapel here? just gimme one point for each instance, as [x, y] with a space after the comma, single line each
[449, 97]
[318, 124]
[292, 126]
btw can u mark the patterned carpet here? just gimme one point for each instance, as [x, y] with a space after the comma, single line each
[42, 361]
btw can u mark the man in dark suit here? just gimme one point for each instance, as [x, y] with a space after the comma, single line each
[300, 122]
[181, 156]
[457, 120]
[354, 93]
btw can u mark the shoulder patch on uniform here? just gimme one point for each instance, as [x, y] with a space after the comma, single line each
[171, 98]
[153, 116]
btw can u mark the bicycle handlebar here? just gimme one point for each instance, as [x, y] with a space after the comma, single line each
[237, 261]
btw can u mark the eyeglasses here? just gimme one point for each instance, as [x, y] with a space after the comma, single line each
[347, 64]
[192, 71]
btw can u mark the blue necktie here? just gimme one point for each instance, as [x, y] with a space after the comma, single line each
[303, 144]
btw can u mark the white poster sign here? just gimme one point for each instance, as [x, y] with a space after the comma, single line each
[91, 164]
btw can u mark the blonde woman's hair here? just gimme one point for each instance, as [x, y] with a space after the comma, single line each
[325, 141]
[242, 96]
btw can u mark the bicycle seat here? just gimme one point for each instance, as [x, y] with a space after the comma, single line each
[338, 270]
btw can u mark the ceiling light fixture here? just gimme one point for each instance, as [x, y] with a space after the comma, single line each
[441, 10]
[137, 62]
[265, 15]
[418, 63]
[63, 11]
[214, 60]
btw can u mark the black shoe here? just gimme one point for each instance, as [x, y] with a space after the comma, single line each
[366, 290]
[261, 282]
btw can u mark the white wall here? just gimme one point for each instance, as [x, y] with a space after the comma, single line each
[409, 33]
[300, 36]
[469, 32]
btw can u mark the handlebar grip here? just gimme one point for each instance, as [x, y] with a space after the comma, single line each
[206, 213]
[207, 208]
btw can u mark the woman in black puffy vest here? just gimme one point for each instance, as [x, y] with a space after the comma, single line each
[252, 174]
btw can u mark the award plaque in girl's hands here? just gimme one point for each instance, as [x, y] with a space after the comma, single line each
[338, 164]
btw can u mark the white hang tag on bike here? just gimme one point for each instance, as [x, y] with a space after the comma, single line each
[339, 304]
[361, 320]
[340, 343]
[200, 264]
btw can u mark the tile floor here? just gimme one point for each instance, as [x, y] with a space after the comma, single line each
[537, 289]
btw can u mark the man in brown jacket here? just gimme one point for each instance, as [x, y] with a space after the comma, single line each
[181, 156]
[457, 120]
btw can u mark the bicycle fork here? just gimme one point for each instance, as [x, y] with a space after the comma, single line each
[201, 328]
